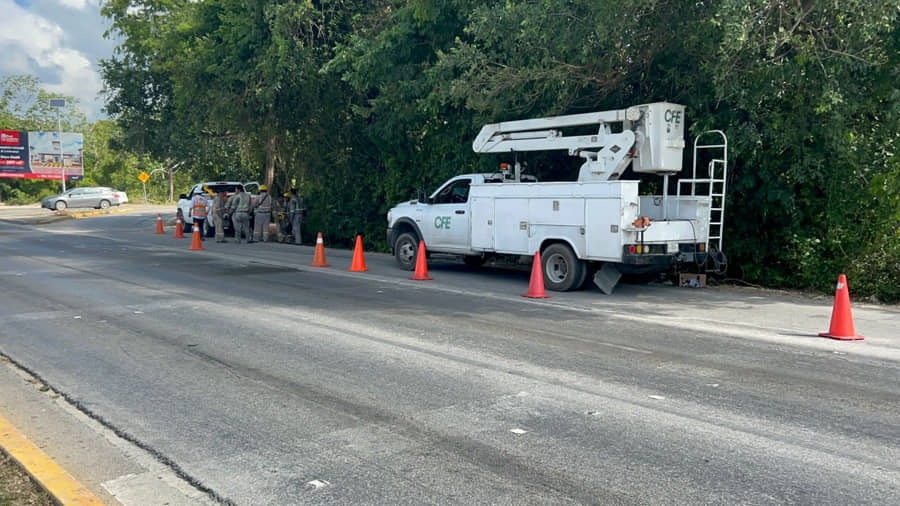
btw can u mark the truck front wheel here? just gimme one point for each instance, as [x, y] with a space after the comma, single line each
[563, 271]
[405, 248]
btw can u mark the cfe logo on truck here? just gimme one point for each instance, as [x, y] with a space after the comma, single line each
[442, 222]
[673, 116]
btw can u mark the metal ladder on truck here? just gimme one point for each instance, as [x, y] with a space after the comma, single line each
[711, 184]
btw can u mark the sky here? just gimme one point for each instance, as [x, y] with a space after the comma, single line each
[61, 43]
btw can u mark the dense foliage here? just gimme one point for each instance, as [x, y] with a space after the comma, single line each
[361, 103]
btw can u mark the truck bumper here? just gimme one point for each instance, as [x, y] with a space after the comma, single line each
[663, 261]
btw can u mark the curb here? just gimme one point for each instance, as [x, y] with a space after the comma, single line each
[86, 214]
[47, 473]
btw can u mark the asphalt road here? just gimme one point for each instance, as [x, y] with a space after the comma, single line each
[242, 375]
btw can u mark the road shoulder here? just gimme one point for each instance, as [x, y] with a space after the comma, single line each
[96, 460]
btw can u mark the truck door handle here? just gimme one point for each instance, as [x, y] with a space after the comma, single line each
[460, 211]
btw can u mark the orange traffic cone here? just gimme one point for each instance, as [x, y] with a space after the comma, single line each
[359, 262]
[196, 242]
[319, 255]
[421, 273]
[536, 285]
[159, 225]
[841, 319]
[179, 228]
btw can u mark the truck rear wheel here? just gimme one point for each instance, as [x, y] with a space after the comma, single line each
[405, 249]
[563, 271]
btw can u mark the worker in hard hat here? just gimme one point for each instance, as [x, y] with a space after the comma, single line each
[198, 210]
[262, 214]
[295, 214]
[239, 208]
[281, 217]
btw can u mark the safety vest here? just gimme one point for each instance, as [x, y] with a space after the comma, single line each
[264, 204]
[199, 206]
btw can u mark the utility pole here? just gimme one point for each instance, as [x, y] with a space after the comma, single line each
[59, 103]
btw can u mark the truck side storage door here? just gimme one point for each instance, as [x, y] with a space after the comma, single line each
[445, 223]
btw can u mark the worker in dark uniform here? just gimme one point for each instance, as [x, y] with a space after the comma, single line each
[295, 214]
[281, 218]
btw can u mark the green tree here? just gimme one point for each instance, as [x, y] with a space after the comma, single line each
[812, 97]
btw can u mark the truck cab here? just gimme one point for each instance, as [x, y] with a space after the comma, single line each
[442, 220]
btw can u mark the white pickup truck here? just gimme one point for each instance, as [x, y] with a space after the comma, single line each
[593, 229]
[209, 189]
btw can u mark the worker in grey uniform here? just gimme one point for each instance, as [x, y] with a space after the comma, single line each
[262, 215]
[295, 214]
[240, 212]
[218, 212]
[229, 209]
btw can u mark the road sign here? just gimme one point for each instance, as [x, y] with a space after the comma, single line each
[144, 177]
[57, 102]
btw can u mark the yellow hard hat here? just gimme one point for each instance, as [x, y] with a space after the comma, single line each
[263, 188]
[286, 194]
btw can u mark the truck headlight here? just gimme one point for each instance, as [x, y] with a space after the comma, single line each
[389, 217]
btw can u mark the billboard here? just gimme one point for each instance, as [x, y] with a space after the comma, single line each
[41, 155]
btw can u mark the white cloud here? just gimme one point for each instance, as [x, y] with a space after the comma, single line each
[60, 42]
[74, 4]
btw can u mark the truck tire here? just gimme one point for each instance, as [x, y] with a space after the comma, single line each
[563, 271]
[405, 249]
[207, 230]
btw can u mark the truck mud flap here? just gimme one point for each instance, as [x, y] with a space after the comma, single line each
[606, 278]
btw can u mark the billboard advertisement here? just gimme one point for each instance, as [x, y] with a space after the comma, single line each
[41, 155]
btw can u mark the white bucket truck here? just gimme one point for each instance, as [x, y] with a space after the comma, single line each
[595, 228]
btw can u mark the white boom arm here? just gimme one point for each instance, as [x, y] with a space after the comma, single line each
[652, 135]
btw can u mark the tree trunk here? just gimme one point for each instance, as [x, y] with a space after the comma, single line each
[171, 184]
[270, 160]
